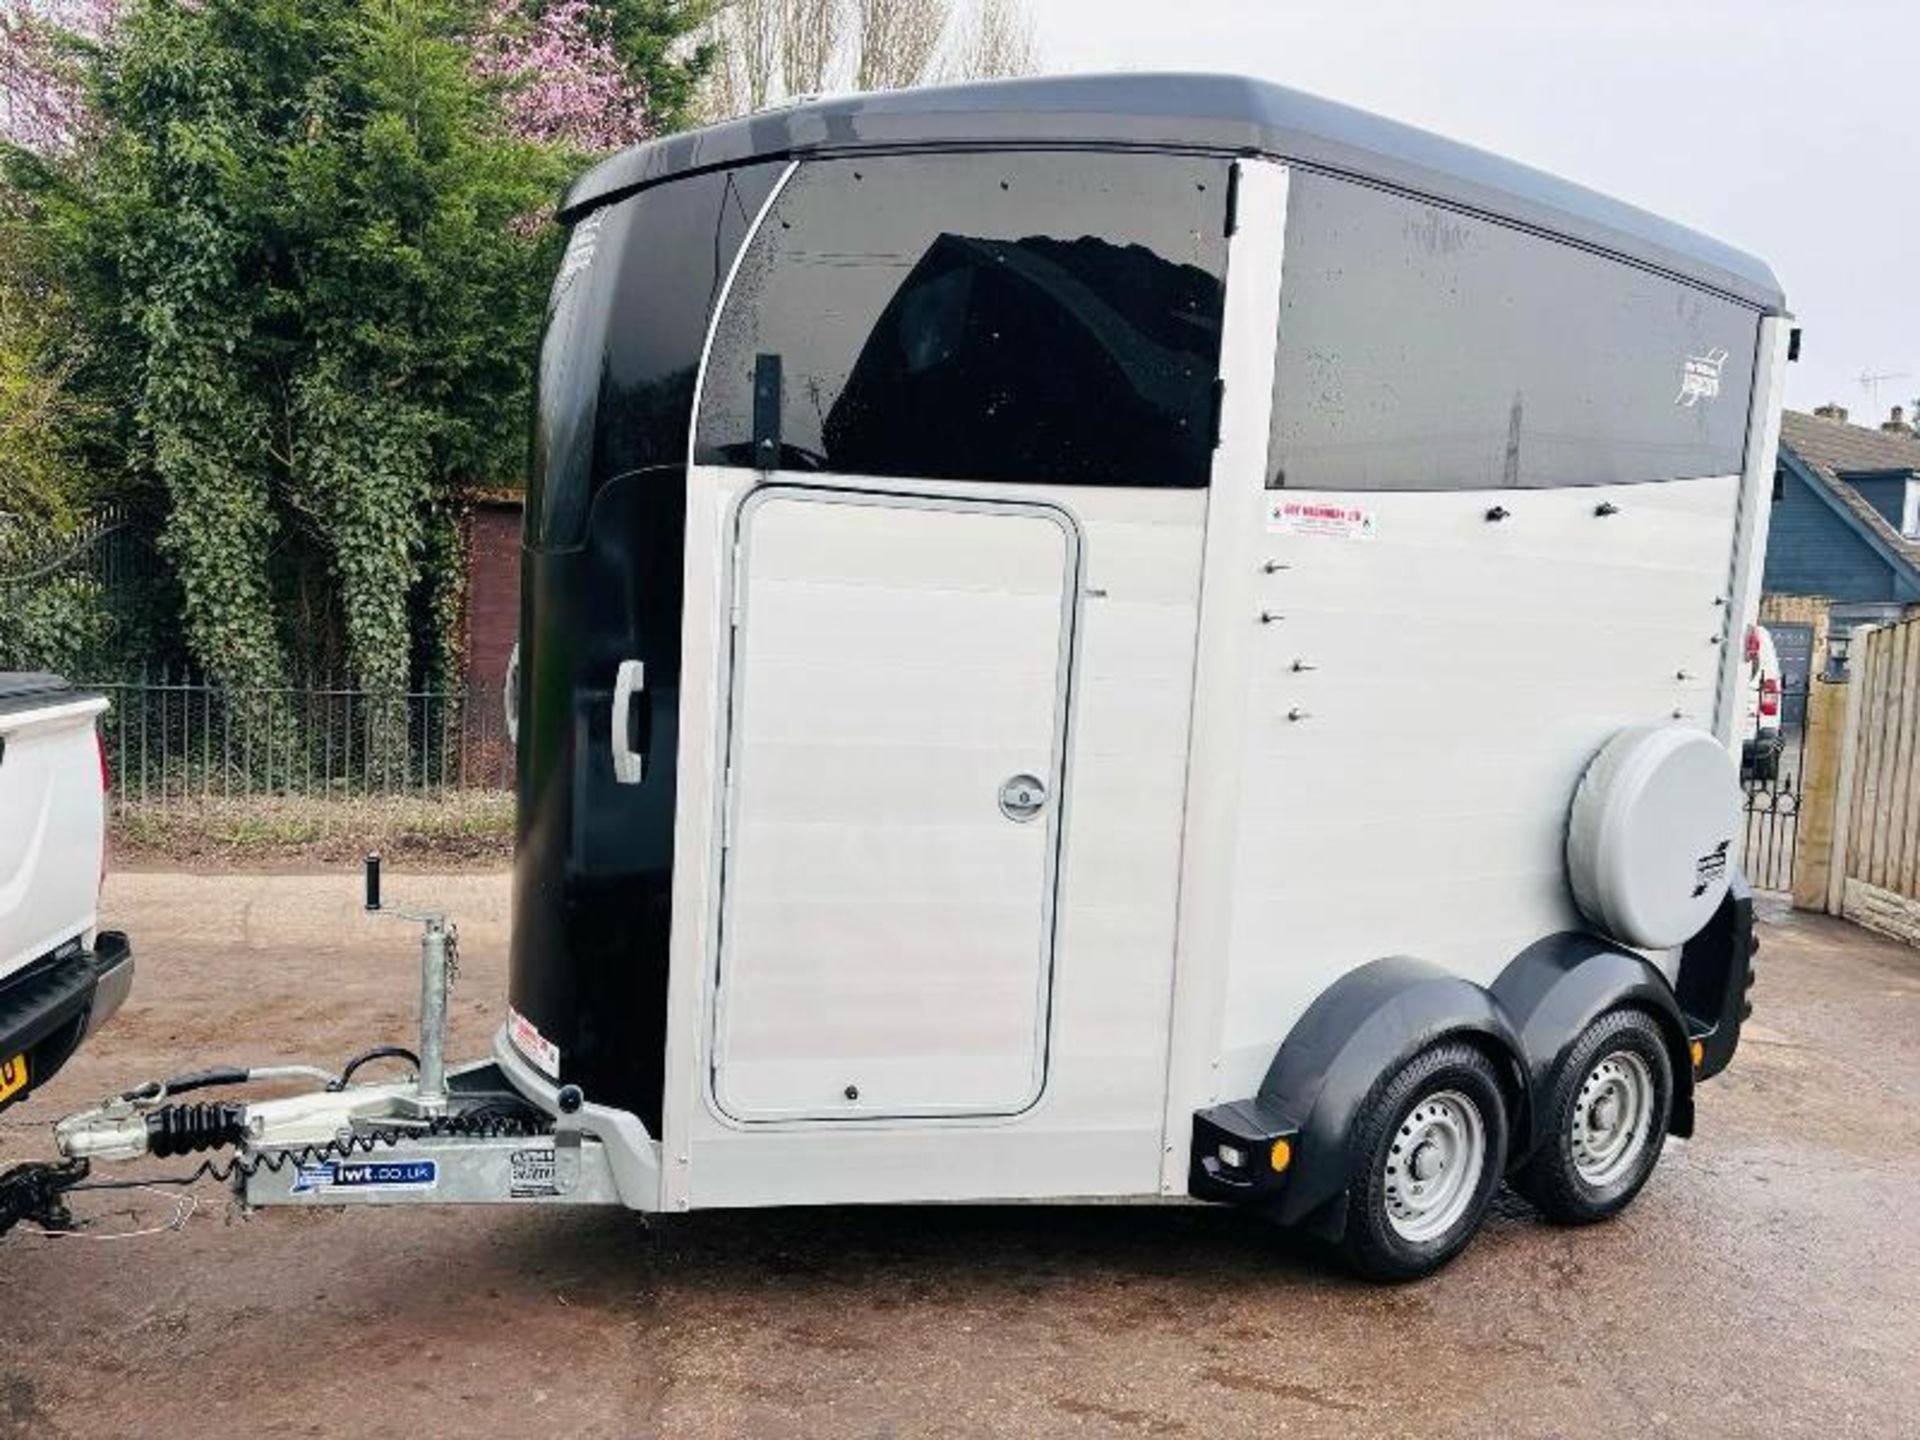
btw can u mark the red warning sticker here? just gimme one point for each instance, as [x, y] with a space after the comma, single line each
[1319, 517]
[528, 1040]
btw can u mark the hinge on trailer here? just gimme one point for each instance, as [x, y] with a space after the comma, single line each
[1233, 199]
[733, 600]
[1219, 406]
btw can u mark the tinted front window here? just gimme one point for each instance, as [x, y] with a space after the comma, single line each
[1018, 316]
[1422, 349]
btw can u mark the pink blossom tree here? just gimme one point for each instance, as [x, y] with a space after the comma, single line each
[42, 76]
[564, 83]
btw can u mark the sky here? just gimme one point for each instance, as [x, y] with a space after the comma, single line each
[1790, 130]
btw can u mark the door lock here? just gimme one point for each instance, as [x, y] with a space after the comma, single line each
[1023, 797]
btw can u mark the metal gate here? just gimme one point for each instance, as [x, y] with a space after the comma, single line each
[1772, 772]
[1794, 645]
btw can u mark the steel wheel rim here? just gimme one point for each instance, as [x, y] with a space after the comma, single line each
[1612, 1118]
[1433, 1166]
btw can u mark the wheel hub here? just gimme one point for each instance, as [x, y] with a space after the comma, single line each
[1426, 1162]
[1605, 1115]
[1433, 1165]
[1612, 1120]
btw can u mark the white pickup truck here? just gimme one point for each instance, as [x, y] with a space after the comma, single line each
[61, 977]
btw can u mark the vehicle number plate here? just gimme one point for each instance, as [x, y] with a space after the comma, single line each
[13, 1077]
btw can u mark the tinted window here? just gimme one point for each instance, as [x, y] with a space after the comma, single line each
[623, 337]
[1422, 348]
[1014, 316]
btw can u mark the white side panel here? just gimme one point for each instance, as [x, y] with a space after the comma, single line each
[1750, 540]
[886, 929]
[1097, 1128]
[1229, 608]
[1420, 710]
[52, 828]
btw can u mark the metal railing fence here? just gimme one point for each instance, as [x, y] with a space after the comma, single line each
[179, 739]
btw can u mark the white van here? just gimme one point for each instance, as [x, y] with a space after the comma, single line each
[1761, 741]
[1146, 637]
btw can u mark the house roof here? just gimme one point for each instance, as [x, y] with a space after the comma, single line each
[1213, 114]
[1833, 449]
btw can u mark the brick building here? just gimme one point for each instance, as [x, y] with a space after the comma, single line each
[493, 606]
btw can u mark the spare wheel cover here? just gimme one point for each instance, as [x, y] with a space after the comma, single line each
[1650, 842]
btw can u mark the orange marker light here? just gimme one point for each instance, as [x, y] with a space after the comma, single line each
[1699, 1054]
[1280, 1156]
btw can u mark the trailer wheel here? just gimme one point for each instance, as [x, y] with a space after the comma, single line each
[1428, 1150]
[1608, 1108]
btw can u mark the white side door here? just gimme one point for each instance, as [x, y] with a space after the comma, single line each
[898, 710]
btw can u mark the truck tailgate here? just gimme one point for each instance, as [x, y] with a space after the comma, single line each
[52, 817]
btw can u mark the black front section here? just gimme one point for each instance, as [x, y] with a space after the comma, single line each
[602, 580]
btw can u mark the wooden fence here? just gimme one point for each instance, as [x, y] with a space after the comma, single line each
[1865, 860]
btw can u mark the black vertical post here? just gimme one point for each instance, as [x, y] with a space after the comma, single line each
[766, 412]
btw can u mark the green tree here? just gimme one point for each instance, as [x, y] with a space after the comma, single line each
[278, 267]
[50, 617]
[42, 481]
[668, 48]
[320, 254]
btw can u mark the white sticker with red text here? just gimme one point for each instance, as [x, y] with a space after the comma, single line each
[528, 1040]
[1319, 517]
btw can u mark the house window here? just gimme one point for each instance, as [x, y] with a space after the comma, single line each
[1910, 517]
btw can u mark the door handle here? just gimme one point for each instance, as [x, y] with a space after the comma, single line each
[510, 695]
[629, 765]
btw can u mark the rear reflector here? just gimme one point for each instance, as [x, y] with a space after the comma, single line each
[106, 786]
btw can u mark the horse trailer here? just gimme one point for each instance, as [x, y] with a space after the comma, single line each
[1142, 637]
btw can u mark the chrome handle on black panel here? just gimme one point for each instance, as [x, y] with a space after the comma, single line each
[629, 765]
[510, 695]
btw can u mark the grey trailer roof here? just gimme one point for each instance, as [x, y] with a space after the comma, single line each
[1211, 113]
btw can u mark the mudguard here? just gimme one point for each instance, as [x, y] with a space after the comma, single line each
[1362, 1028]
[1555, 988]
[1716, 978]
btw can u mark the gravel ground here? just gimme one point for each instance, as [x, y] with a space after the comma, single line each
[1766, 1283]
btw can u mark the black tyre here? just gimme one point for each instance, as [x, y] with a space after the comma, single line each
[1428, 1150]
[1607, 1110]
